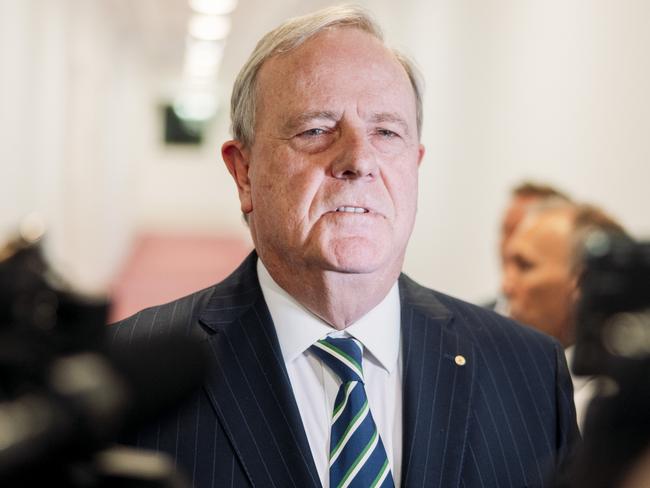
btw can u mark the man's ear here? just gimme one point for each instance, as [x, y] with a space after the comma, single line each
[237, 160]
[420, 154]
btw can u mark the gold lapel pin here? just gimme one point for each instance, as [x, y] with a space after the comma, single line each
[460, 360]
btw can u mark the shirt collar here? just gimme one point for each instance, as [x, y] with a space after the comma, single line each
[297, 328]
[579, 381]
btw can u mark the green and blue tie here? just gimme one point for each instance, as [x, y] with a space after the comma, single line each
[357, 455]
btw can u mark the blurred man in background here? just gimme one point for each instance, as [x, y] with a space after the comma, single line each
[522, 197]
[542, 269]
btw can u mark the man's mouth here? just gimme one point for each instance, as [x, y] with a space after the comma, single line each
[357, 210]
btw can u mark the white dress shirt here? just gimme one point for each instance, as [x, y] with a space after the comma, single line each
[315, 386]
[584, 389]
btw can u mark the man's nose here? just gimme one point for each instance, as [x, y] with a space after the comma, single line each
[357, 158]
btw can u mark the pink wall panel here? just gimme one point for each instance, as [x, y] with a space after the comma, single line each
[164, 267]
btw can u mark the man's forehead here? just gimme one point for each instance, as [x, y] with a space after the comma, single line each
[341, 70]
[547, 233]
[558, 221]
[310, 63]
[337, 40]
[517, 207]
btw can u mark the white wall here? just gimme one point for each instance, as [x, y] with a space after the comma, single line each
[15, 71]
[554, 90]
[70, 91]
[546, 89]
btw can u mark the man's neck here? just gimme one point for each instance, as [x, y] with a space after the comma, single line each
[340, 299]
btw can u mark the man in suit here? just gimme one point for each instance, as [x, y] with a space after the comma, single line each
[542, 270]
[326, 123]
[522, 197]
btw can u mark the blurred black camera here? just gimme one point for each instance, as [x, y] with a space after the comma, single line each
[67, 394]
[613, 326]
[613, 344]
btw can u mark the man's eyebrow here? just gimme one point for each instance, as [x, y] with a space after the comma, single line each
[296, 122]
[392, 117]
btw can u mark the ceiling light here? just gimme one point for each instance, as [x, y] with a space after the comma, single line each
[195, 106]
[202, 58]
[213, 7]
[209, 27]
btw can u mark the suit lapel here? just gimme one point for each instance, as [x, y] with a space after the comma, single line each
[251, 393]
[437, 390]
[249, 386]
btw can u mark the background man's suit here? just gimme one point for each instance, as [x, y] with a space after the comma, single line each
[501, 419]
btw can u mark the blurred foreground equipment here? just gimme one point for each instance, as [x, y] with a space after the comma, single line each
[66, 395]
[614, 314]
[613, 342]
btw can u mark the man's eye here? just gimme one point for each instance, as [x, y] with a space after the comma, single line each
[386, 133]
[312, 132]
[314, 140]
[523, 264]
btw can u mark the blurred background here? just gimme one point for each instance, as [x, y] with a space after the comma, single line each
[112, 114]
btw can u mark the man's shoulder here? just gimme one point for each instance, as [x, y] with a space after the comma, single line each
[183, 314]
[167, 317]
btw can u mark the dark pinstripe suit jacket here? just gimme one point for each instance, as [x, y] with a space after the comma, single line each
[500, 420]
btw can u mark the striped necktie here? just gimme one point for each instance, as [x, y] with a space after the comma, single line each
[357, 455]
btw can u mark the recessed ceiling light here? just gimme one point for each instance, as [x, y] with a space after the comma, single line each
[213, 7]
[209, 27]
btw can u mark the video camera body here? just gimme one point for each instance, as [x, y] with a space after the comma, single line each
[613, 343]
[613, 330]
[67, 394]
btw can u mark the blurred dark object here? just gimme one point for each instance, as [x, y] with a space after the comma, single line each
[616, 440]
[614, 313]
[66, 395]
[179, 130]
[39, 319]
[613, 342]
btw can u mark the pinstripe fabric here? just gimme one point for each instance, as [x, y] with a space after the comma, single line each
[501, 419]
[243, 428]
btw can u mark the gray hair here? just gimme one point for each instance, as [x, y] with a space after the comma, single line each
[586, 219]
[289, 36]
[542, 191]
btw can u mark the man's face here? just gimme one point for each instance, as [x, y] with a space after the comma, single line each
[537, 281]
[332, 174]
[511, 219]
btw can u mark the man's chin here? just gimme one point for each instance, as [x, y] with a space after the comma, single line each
[355, 256]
